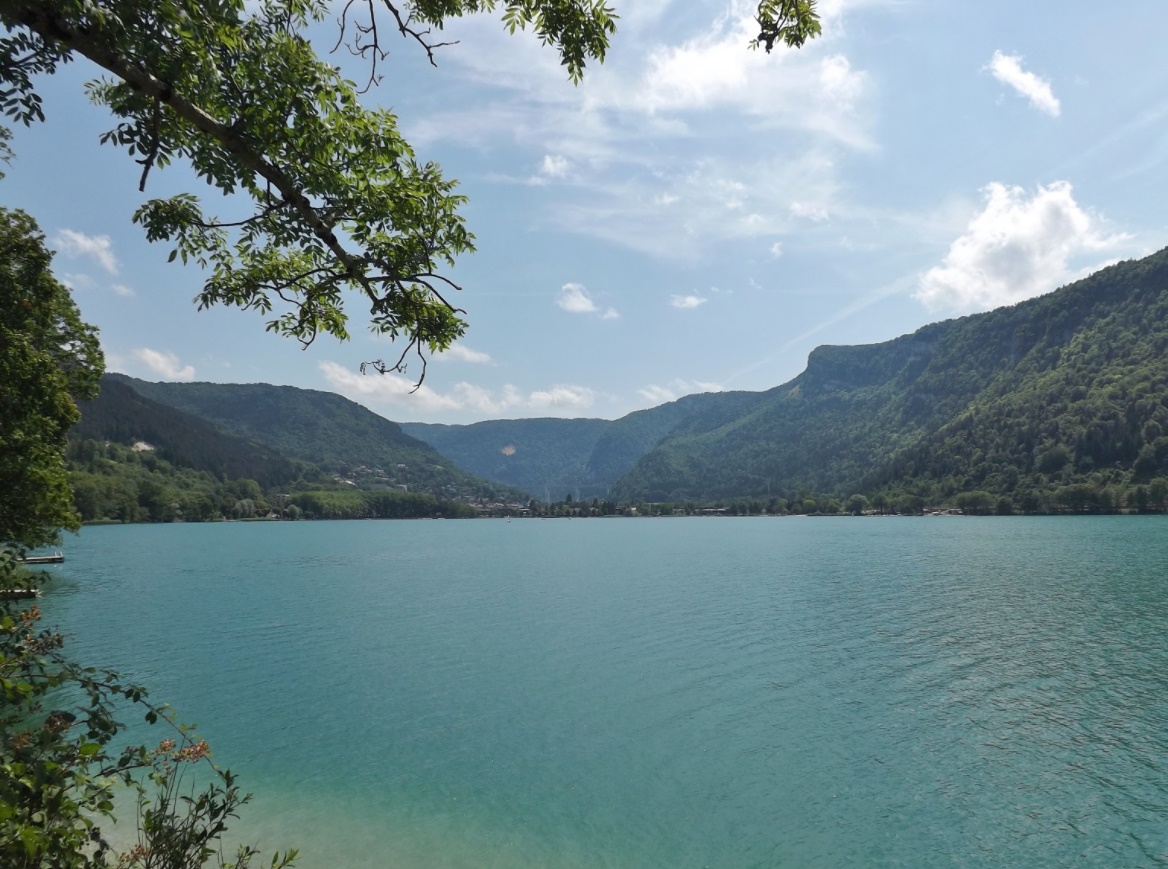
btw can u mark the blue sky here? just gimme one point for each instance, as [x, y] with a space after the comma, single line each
[695, 216]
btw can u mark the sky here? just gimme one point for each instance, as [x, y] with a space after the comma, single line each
[694, 216]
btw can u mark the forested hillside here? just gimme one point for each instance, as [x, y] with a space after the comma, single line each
[331, 432]
[120, 414]
[132, 459]
[1057, 403]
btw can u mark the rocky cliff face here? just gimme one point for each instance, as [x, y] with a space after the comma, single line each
[835, 368]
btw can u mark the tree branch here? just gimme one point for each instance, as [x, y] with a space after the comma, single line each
[382, 367]
[147, 161]
[403, 26]
[247, 221]
[89, 42]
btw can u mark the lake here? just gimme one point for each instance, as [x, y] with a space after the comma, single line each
[658, 692]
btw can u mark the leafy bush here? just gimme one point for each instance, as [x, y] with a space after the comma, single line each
[61, 767]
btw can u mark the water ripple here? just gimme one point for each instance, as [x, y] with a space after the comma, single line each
[731, 693]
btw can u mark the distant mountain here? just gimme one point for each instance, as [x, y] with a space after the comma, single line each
[333, 433]
[554, 457]
[545, 457]
[1059, 402]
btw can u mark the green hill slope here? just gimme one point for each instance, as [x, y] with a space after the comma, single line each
[120, 414]
[1055, 403]
[135, 460]
[132, 459]
[625, 440]
[325, 429]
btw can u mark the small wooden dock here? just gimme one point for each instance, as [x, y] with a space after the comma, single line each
[19, 593]
[55, 558]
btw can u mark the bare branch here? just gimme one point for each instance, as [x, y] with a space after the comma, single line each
[422, 357]
[419, 36]
[358, 48]
[278, 287]
[420, 277]
[399, 367]
[255, 218]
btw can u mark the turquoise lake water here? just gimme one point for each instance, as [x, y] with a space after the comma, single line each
[658, 693]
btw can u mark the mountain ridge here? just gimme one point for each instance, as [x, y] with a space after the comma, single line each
[865, 419]
[1053, 403]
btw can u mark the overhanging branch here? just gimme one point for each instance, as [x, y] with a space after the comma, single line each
[88, 42]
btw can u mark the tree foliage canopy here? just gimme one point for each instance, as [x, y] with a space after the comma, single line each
[330, 196]
[48, 359]
[59, 761]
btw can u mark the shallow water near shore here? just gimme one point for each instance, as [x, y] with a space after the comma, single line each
[657, 693]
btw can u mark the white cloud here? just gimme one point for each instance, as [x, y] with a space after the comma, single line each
[692, 58]
[714, 70]
[1007, 68]
[639, 135]
[164, 364]
[676, 389]
[814, 213]
[777, 249]
[122, 290]
[117, 363]
[1019, 246]
[76, 280]
[98, 248]
[657, 394]
[554, 166]
[711, 199]
[561, 397]
[397, 391]
[393, 389]
[687, 302]
[462, 353]
[574, 299]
